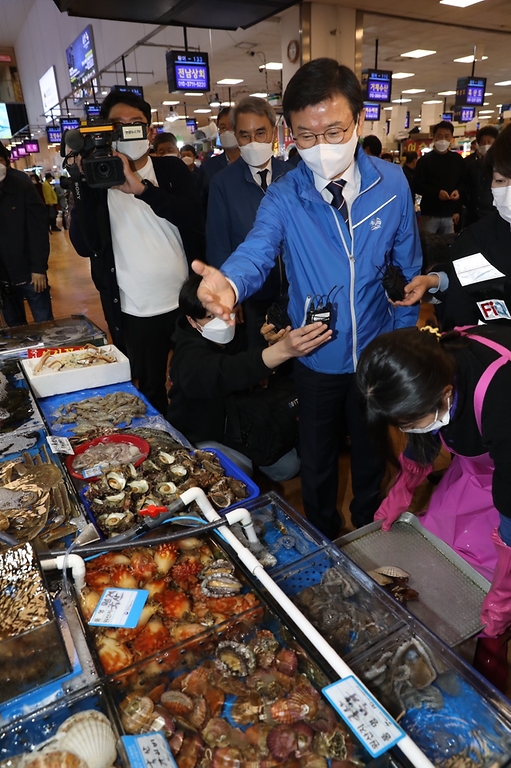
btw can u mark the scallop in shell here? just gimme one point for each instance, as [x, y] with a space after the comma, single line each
[177, 702]
[90, 736]
[54, 759]
[393, 571]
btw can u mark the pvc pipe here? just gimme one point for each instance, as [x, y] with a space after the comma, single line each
[75, 562]
[406, 745]
[244, 517]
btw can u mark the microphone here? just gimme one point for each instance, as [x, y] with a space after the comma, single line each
[74, 140]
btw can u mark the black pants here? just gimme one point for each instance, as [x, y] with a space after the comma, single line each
[148, 343]
[327, 401]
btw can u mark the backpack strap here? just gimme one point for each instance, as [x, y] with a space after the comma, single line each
[485, 380]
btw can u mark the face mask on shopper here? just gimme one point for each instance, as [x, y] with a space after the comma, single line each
[435, 425]
[257, 153]
[483, 149]
[442, 145]
[3, 171]
[188, 160]
[132, 149]
[228, 140]
[217, 330]
[502, 200]
[330, 160]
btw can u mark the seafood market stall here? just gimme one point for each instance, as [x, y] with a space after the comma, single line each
[157, 611]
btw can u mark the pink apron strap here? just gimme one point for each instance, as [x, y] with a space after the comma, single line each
[484, 381]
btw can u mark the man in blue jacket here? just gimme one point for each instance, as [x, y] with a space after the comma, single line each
[234, 198]
[338, 218]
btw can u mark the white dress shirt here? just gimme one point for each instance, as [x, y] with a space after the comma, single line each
[351, 189]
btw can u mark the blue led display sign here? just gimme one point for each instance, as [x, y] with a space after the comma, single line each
[470, 90]
[372, 111]
[377, 85]
[187, 71]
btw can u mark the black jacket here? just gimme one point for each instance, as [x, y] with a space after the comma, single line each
[462, 434]
[203, 374]
[175, 199]
[24, 238]
[433, 173]
[467, 305]
[477, 195]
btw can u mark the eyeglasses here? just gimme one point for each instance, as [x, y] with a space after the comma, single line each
[331, 135]
[262, 135]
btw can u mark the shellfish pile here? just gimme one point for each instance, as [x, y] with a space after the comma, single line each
[84, 740]
[248, 706]
[122, 492]
[336, 608]
[189, 591]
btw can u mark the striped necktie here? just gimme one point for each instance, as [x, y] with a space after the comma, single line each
[339, 202]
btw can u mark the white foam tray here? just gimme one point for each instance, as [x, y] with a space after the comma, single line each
[60, 382]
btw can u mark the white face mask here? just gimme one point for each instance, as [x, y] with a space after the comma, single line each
[257, 153]
[442, 145]
[330, 160]
[132, 149]
[3, 171]
[188, 161]
[435, 425]
[483, 148]
[227, 140]
[502, 200]
[217, 330]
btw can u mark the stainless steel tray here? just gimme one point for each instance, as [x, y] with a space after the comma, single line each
[450, 590]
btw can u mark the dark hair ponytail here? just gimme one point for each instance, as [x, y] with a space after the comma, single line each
[401, 377]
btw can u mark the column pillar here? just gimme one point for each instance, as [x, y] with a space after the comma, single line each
[431, 114]
[397, 121]
[322, 30]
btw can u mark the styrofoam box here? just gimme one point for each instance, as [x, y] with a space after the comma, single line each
[59, 382]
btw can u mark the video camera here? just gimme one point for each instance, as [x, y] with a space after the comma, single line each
[93, 142]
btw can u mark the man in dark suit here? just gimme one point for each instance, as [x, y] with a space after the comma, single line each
[140, 237]
[217, 163]
[234, 197]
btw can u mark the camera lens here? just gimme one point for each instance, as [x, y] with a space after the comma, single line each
[104, 170]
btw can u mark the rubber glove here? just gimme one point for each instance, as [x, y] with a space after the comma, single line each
[410, 476]
[496, 608]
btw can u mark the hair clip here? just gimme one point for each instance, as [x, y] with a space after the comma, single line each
[432, 330]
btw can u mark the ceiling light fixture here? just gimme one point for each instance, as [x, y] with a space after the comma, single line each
[469, 59]
[486, 111]
[260, 95]
[229, 81]
[153, 109]
[276, 65]
[387, 109]
[194, 93]
[170, 103]
[447, 93]
[418, 53]
[129, 79]
[504, 82]
[460, 3]
[488, 93]
[415, 90]
[433, 101]
[227, 104]
[402, 75]
[400, 101]
[215, 101]
[202, 111]
[417, 119]
[104, 93]
[172, 116]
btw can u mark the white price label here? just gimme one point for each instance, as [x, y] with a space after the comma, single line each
[59, 444]
[148, 751]
[92, 472]
[377, 731]
[119, 608]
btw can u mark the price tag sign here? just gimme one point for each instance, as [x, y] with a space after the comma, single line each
[377, 731]
[59, 444]
[92, 472]
[148, 751]
[119, 608]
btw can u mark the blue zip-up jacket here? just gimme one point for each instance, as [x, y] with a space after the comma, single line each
[320, 252]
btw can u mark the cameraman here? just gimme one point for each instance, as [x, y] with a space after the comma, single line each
[139, 236]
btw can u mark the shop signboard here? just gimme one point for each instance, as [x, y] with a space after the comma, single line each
[14, 154]
[187, 71]
[69, 123]
[192, 125]
[81, 58]
[448, 116]
[377, 85]
[464, 114]
[136, 89]
[372, 111]
[407, 121]
[32, 146]
[92, 110]
[470, 91]
[22, 152]
[53, 134]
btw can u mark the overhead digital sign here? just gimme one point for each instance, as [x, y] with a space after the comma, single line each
[92, 110]
[470, 91]
[372, 111]
[14, 154]
[192, 125]
[377, 85]
[407, 121]
[69, 123]
[464, 114]
[20, 149]
[136, 89]
[187, 71]
[54, 135]
[32, 146]
[448, 116]
[81, 59]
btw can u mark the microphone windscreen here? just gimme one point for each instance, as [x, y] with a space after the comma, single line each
[74, 140]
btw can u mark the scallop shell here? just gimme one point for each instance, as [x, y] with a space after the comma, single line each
[89, 735]
[286, 661]
[162, 721]
[115, 480]
[281, 741]
[380, 578]
[393, 571]
[177, 703]
[54, 759]
[235, 659]
[246, 709]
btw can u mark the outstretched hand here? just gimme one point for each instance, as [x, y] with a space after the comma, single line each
[215, 292]
[416, 289]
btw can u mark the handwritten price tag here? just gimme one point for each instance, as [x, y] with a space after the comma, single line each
[148, 751]
[119, 608]
[377, 731]
[59, 444]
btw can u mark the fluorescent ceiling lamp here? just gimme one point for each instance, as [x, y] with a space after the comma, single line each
[227, 104]
[447, 93]
[488, 93]
[170, 103]
[468, 59]
[129, 79]
[418, 53]
[504, 82]
[486, 111]
[229, 81]
[486, 103]
[417, 119]
[460, 3]
[272, 65]
[415, 90]
[193, 94]
[499, 105]
[402, 75]
[153, 109]
[202, 111]
[259, 95]
[400, 101]
[387, 109]
[104, 93]
[433, 101]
